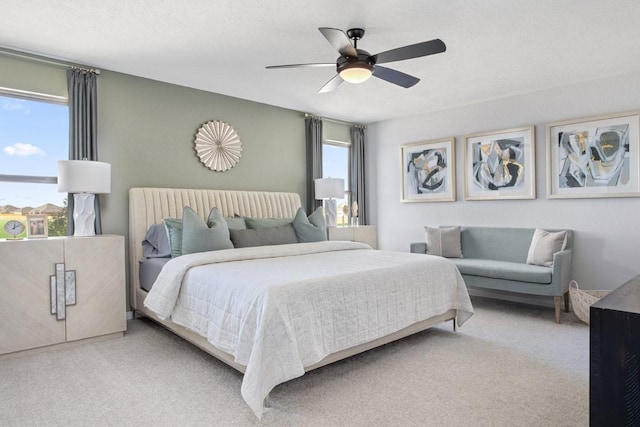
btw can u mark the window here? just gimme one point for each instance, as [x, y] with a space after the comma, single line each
[336, 161]
[34, 135]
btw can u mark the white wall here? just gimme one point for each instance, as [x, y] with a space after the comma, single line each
[607, 230]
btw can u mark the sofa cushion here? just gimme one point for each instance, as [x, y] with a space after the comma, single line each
[543, 245]
[503, 270]
[443, 241]
[497, 243]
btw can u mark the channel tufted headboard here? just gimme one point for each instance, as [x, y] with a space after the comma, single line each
[148, 206]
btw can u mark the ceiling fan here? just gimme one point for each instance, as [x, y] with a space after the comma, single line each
[356, 65]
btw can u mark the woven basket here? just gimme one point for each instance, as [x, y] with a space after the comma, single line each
[582, 300]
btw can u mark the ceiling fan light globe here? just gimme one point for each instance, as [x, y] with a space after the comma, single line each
[355, 74]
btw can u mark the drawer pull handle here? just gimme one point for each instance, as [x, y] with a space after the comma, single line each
[62, 290]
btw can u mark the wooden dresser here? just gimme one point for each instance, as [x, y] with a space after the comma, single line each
[614, 377]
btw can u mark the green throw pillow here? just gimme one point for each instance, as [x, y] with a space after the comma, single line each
[173, 226]
[200, 236]
[311, 229]
[174, 234]
[236, 222]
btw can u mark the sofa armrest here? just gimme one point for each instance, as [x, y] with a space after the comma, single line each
[418, 247]
[561, 275]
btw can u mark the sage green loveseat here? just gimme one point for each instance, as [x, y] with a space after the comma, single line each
[496, 258]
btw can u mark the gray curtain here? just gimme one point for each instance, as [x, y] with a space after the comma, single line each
[357, 171]
[83, 127]
[313, 135]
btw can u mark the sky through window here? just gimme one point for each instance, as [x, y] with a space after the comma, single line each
[34, 135]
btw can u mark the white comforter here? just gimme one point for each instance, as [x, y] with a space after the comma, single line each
[277, 309]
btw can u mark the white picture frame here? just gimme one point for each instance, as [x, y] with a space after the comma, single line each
[594, 157]
[500, 164]
[428, 171]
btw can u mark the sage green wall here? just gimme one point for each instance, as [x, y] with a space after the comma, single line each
[32, 76]
[146, 130]
[336, 131]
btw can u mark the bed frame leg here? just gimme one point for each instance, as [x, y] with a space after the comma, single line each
[454, 325]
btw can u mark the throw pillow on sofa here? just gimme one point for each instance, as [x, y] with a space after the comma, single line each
[543, 245]
[443, 242]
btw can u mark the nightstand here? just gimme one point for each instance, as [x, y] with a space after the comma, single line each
[361, 233]
[61, 289]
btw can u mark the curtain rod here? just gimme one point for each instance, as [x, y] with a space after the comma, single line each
[341, 122]
[38, 58]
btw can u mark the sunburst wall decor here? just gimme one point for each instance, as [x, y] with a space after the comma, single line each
[218, 146]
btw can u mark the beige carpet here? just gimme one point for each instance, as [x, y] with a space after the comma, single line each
[509, 365]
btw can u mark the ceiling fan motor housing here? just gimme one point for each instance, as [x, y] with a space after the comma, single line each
[363, 60]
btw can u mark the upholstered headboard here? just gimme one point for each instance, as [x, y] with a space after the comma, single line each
[148, 206]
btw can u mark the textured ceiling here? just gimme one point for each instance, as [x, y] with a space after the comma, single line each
[495, 48]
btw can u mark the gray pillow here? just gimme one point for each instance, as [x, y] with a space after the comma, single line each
[174, 234]
[200, 236]
[543, 245]
[263, 236]
[311, 229]
[266, 222]
[443, 242]
[156, 242]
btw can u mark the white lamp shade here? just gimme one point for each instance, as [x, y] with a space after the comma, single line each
[84, 176]
[329, 188]
[355, 74]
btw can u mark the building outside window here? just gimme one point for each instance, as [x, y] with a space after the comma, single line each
[336, 158]
[34, 135]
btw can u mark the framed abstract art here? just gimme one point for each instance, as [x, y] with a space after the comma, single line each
[594, 157]
[428, 171]
[500, 165]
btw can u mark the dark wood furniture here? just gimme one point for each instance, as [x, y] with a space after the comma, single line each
[614, 381]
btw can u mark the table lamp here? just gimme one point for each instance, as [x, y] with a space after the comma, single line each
[329, 189]
[84, 179]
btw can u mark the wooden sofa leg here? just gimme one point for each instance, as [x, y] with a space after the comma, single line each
[566, 302]
[556, 301]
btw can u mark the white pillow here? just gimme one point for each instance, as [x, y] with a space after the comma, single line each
[443, 242]
[543, 245]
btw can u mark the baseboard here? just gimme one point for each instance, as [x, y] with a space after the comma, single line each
[129, 315]
[67, 344]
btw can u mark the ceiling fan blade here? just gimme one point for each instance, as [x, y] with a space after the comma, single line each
[394, 76]
[331, 84]
[339, 40]
[333, 64]
[412, 51]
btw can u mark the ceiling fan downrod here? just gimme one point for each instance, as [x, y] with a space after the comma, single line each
[355, 34]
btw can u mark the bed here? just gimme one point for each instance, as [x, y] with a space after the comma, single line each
[276, 312]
